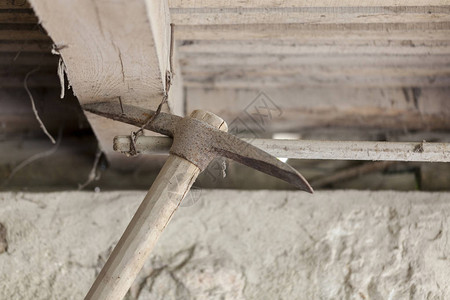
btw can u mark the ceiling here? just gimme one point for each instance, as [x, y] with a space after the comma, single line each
[370, 72]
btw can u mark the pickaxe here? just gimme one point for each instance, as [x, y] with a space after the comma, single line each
[197, 140]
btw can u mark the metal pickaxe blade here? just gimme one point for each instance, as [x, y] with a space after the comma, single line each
[196, 141]
[133, 115]
[215, 142]
[260, 160]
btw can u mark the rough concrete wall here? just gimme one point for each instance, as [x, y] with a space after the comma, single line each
[235, 245]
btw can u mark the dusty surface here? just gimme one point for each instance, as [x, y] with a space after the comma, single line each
[235, 245]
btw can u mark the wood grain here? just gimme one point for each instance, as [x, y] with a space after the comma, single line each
[26, 34]
[25, 46]
[49, 80]
[337, 47]
[17, 58]
[332, 77]
[252, 61]
[316, 32]
[221, 43]
[141, 235]
[18, 16]
[14, 4]
[307, 3]
[311, 15]
[329, 150]
[111, 50]
[336, 107]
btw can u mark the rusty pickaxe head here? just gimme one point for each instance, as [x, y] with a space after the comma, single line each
[199, 142]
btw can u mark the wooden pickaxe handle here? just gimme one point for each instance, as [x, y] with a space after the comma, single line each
[165, 195]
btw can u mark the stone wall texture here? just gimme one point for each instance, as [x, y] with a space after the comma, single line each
[234, 245]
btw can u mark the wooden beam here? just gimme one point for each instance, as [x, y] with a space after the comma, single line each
[14, 4]
[111, 50]
[251, 61]
[284, 63]
[295, 3]
[25, 46]
[338, 47]
[7, 34]
[293, 109]
[17, 58]
[394, 43]
[357, 150]
[330, 150]
[18, 16]
[317, 77]
[339, 14]
[312, 33]
[320, 43]
[48, 80]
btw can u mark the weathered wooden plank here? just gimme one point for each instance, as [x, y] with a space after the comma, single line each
[295, 3]
[338, 47]
[43, 80]
[330, 76]
[213, 62]
[357, 27]
[22, 70]
[311, 15]
[314, 81]
[14, 4]
[177, 89]
[333, 71]
[18, 16]
[13, 35]
[316, 33]
[226, 71]
[114, 62]
[313, 149]
[292, 109]
[107, 59]
[26, 46]
[27, 58]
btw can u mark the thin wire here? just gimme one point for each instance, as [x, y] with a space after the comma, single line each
[121, 105]
[36, 114]
[33, 158]
[169, 74]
